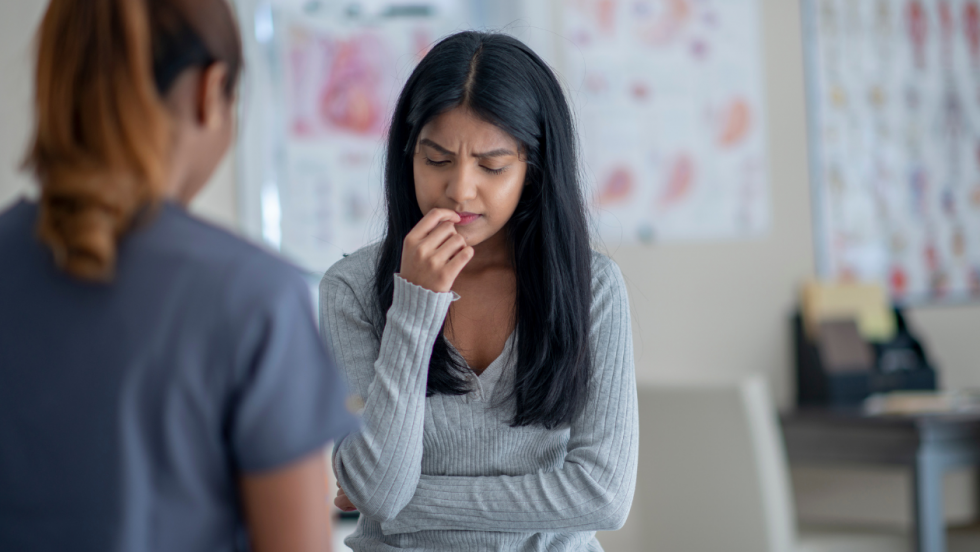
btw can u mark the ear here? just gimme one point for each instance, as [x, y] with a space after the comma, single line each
[212, 100]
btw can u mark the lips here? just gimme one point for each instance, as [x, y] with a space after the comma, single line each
[466, 218]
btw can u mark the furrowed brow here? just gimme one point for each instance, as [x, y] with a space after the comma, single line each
[435, 146]
[502, 152]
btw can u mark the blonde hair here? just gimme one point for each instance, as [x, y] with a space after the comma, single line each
[102, 139]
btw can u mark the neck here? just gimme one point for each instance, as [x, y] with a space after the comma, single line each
[178, 188]
[494, 252]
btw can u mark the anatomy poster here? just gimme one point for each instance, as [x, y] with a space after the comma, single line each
[341, 81]
[669, 96]
[895, 131]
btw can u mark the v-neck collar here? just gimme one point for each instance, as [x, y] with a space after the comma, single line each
[486, 381]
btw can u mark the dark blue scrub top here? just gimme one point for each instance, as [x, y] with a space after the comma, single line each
[128, 410]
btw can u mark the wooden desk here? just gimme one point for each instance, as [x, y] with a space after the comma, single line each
[927, 444]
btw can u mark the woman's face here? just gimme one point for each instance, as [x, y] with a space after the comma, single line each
[470, 166]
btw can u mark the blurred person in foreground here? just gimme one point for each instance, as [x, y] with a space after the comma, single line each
[162, 383]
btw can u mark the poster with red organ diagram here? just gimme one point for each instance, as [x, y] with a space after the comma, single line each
[339, 84]
[341, 79]
[895, 136]
[670, 104]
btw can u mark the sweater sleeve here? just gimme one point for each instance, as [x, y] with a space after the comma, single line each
[379, 467]
[593, 490]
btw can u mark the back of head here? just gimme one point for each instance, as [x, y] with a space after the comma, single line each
[102, 137]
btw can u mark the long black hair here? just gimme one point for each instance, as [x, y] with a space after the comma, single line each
[505, 83]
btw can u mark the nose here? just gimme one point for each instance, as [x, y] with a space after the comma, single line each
[462, 185]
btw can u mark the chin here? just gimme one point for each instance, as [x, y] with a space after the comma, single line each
[472, 238]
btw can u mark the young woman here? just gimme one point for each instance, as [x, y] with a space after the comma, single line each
[161, 381]
[490, 345]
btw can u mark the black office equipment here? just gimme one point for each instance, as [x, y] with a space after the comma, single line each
[899, 364]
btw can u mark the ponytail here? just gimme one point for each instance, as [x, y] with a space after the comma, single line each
[102, 140]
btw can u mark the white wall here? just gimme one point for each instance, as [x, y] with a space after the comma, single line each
[710, 311]
[707, 310]
[700, 311]
[715, 309]
[18, 19]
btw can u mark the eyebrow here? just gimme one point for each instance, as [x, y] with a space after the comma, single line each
[501, 152]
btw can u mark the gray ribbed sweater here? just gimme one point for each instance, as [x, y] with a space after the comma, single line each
[448, 472]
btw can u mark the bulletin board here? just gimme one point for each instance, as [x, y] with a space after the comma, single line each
[671, 105]
[894, 101]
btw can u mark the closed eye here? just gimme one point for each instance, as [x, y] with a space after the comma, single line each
[446, 162]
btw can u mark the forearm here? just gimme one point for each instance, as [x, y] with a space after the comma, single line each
[285, 508]
[569, 499]
[379, 467]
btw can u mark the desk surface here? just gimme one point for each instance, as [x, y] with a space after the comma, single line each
[928, 444]
[845, 436]
[851, 415]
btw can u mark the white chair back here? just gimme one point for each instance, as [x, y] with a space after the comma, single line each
[713, 472]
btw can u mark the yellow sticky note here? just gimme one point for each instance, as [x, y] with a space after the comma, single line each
[867, 304]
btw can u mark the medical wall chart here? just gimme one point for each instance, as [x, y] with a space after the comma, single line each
[670, 98]
[894, 94]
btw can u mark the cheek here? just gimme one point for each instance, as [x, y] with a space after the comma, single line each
[501, 200]
[510, 194]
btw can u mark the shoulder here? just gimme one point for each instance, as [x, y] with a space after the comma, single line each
[353, 274]
[230, 266]
[605, 273]
[16, 221]
[17, 213]
[609, 297]
[611, 323]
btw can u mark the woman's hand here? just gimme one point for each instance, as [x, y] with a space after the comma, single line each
[433, 254]
[342, 501]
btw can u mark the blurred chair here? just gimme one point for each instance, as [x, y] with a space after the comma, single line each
[713, 476]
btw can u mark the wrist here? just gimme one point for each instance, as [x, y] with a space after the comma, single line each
[423, 283]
